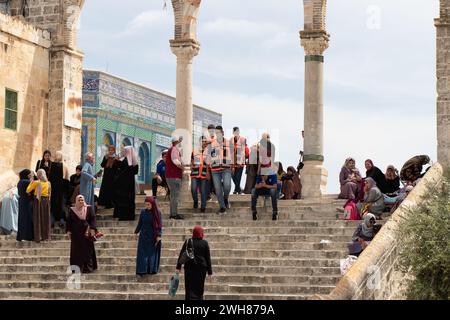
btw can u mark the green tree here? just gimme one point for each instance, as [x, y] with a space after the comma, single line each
[424, 239]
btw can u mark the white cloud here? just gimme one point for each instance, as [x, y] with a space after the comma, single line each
[148, 20]
[239, 28]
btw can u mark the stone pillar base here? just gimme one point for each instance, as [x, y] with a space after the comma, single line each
[185, 194]
[314, 179]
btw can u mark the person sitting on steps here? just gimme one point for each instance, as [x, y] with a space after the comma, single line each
[266, 185]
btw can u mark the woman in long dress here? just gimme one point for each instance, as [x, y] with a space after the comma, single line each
[106, 195]
[9, 211]
[74, 190]
[350, 180]
[125, 186]
[88, 180]
[41, 189]
[81, 229]
[25, 221]
[195, 270]
[149, 229]
[59, 179]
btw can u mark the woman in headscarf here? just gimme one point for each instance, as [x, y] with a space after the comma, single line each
[292, 187]
[373, 201]
[125, 187]
[350, 180]
[81, 229]
[376, 174]
[149, 229]
[88, 180]
[9, 211]
[45, 163]
[392, 181]
[363, 235]
[25, 221]
[195, 270]
[412, 169]
[41, 189]
[59, 179]
[106, 195]
[75, 185]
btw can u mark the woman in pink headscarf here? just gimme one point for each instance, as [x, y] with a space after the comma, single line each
[125, 185]
[81, 229]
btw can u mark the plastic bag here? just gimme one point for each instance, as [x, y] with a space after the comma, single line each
[173, 285]
[347, 263]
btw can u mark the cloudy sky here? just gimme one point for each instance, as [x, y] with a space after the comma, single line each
[380, 88]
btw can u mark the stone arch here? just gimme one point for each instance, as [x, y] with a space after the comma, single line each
[185, 12]
[144, 163]
[127, 141]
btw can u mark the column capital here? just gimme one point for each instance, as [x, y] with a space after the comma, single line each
[185, 49]
[314, 43]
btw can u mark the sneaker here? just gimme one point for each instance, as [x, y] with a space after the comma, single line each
[195, 205]
[255, 216]
[235, 192]
[202, 210]
[222, 210]
[177, 217]
[274, 216]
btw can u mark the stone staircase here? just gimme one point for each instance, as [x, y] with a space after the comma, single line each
[262, 259]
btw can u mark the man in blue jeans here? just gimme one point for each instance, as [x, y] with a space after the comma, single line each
[266, 185]
[220, 159]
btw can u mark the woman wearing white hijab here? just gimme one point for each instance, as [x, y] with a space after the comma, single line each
[125, 185]
[81, 229]
[41, 189]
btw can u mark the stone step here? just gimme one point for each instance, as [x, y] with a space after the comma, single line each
[300, 279]
[235, 223]
[38, 294]
[212, 231]
[218, 288]
[105, 244]
[108, 263]
[216, 254]
[224, 238]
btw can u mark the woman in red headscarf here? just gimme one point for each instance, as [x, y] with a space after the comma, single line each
[195, 270]
[149, 229]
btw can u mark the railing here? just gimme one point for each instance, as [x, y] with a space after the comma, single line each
[375, 275]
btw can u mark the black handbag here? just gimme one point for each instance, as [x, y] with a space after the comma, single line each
[188, 254]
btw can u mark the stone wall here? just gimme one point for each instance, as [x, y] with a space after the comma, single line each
[443, 82]
[375, 275]
[24, 65]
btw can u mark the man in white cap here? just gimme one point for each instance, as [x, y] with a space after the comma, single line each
[174, 173]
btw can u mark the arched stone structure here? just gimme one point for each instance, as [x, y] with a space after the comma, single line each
[443, 83]
[314, 39]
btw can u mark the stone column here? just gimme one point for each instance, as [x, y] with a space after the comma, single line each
[443, 83]
[314, 40]
[185, 52]
[185, 46]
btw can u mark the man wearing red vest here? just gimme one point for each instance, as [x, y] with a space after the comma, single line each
[238, 146]
[174, 173]
[220, 154]
[200, 174]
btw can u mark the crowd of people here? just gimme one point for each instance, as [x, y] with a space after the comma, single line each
[48, 197]
[376, 194]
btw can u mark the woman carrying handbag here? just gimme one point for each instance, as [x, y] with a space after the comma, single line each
[196, 268]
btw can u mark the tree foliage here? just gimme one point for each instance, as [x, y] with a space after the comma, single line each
[425, 244]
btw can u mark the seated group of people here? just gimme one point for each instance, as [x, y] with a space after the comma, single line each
[369, 197]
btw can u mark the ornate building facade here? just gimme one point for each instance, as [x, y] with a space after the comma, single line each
[120, 112]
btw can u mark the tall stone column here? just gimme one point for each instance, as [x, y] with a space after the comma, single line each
[443, 83]
[314, 40]
[185, 46]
